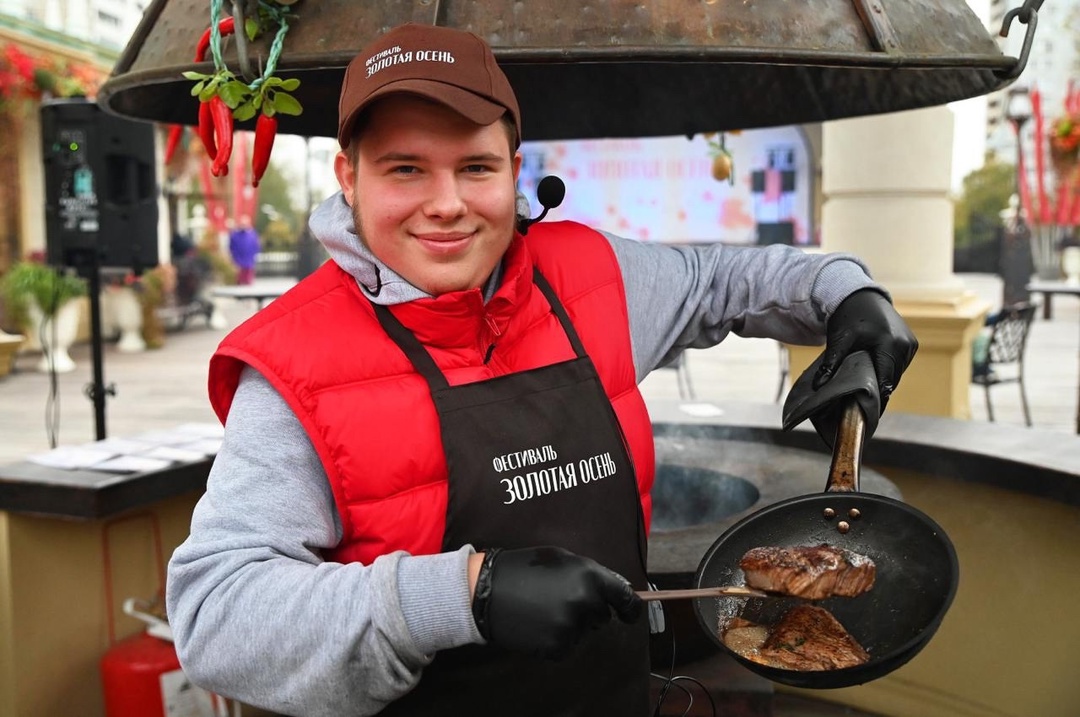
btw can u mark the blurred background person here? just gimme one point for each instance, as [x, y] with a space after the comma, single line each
[244, 248]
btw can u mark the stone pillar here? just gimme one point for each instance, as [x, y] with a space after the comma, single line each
[886, 182]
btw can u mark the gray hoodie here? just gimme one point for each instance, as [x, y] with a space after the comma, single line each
[256, 612]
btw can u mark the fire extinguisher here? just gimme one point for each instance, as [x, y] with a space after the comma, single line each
[141, 675]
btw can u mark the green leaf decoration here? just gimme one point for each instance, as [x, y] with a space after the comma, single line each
[208, 93]
[233, 93]
[245, 112]
[289, 85]
[286, 104]
[251, 28]
[192, 75]
[198, 88]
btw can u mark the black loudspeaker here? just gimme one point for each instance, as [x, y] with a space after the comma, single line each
[101, 192]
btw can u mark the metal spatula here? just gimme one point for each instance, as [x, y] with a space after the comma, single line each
[725, 591]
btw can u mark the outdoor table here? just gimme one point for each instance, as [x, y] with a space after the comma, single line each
[68, 539]
[83, 494]
[261, 293]
[1048, 289]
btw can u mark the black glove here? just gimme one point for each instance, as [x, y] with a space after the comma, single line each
[543, 600]
[866, 321]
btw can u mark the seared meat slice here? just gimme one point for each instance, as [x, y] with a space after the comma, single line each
[809, 638]
[809, 572]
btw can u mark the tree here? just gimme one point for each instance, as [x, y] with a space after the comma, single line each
[977, 211]
[280, 225]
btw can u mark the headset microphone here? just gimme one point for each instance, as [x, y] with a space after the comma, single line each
[550, 193]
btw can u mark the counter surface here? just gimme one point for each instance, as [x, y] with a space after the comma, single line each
[1041, 463]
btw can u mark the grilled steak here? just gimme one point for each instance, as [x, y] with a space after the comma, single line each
[809, 572]
[810, 638]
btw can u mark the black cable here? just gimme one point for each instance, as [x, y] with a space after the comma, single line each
[52, 401]
[669, 684]
[672, 680]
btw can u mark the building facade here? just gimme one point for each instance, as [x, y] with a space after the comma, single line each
[106, 23]
[1053, 63]
[48, 48]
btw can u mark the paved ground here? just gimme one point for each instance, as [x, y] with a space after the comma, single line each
[161, 388]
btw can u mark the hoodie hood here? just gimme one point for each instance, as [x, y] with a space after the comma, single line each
[332, 224]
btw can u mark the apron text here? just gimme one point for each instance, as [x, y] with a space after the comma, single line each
[545, 481]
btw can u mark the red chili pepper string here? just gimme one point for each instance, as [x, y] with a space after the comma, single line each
[206, 130]
[223, 133]
[265, 132]
[176, 131]
[226, 26]
[208, 121]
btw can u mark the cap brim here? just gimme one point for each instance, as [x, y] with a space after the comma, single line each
[467, 104]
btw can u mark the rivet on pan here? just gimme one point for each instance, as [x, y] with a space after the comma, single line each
[830, 513]
[854, 513]
[843, 526]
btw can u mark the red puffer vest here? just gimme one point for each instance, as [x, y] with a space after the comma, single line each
[369, 415]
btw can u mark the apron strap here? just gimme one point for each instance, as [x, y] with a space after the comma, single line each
[425, 365]
[560, 312]
[414, 350]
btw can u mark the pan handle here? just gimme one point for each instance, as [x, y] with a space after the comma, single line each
[847, 450]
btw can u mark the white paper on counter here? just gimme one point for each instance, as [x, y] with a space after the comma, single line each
[173, 454]
[71, 457]
[131, 464]
[204, 446]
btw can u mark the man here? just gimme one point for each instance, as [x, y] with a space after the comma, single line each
[433, 493]
[244, 247]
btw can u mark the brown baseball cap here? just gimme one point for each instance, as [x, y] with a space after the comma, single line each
[452, 67]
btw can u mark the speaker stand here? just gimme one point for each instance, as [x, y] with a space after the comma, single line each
[89, 265]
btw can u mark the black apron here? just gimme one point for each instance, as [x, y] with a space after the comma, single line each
[537, 458]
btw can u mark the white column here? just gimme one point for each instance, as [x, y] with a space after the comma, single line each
[886, 182]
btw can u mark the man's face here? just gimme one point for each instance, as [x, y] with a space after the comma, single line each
[432, 194]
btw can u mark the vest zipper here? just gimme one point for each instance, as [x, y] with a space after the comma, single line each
[494, 329]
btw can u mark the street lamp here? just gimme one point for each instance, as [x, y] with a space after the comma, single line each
[1015, 260]
[1018, 111]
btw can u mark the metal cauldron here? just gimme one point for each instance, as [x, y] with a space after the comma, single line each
[613, 68]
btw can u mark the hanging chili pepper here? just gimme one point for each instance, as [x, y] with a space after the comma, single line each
[206, 129]
[265, 131]
[226, 27]
[176, 131]
[223, 133]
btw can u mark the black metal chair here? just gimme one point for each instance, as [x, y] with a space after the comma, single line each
[1009, 330]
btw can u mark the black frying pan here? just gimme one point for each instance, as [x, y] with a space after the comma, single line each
[917, 569]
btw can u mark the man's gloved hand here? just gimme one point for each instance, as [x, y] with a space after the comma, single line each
[866, 320]
[543, 600]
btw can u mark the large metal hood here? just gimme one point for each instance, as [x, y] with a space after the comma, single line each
[616, 68]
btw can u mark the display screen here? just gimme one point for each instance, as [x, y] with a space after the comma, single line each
[663, 189]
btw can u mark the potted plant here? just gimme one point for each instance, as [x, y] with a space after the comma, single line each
[41, 299]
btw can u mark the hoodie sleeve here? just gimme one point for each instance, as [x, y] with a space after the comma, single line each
[259, 616]
[682, 297]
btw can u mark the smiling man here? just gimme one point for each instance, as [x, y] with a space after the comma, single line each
[433, 493]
